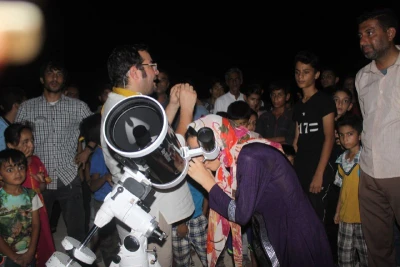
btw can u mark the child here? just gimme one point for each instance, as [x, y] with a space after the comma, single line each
[343, 101]
[315, 132]
[19, 215]
[252, 96]
[350, 238]
[19, 136]
[191, 232]
[277, 124]
[106, 243]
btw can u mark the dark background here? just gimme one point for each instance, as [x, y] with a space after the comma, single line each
[195, 40]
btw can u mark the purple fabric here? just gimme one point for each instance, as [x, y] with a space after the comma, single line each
[267, 183]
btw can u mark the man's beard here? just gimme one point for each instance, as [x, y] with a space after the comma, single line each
[53, 90]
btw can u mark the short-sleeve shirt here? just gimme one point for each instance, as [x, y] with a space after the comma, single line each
[98, 165]
[309, 117]
[269, 126]
[16, 218]
[56, 131]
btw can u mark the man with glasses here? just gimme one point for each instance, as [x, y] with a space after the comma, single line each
[234, 80]
[132, 72]
[277, 124]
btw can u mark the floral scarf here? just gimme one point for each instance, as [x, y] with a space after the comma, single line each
[230, 141]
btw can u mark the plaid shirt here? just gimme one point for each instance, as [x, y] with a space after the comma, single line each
[56, 133]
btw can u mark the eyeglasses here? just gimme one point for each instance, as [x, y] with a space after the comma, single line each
[153, 65]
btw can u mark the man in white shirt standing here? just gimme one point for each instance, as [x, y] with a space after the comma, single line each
[378, 87]
[234, 80]
[132, 72]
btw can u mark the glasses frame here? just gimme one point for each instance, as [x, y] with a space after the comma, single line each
[153, 65]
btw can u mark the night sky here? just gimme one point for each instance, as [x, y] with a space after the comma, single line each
[195, 41]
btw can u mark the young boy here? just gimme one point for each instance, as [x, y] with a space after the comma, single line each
[193, 231]
[277, 124]
[315, 132]
[252, 95]
[106, 242]
[350, 237]
[19, 213]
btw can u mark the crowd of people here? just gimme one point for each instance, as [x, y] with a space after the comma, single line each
[300, 180]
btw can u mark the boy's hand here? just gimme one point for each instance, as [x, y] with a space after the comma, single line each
[336, 219]
[316, 184]
[25, 259]
[82, 157]
[182, 230]
[108, 178]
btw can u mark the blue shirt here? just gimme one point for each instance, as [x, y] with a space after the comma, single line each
[98, 165]
[197, 196]
[3, 126]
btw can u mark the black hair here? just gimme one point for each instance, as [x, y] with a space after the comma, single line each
[278, 85]
[90, 128]
[122, 58]
[254, 88]
[190, 132]
[12, 134]
[385, 17]
[103, 87]
[12, 155]
[309, 58]
[346, 91]
[54, 65]
[239, 110]
[10, 96]
[215, 80]
[351, 120]
[223, 114]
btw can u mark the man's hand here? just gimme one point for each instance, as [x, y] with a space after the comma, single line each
[174, 95]
[187, 97]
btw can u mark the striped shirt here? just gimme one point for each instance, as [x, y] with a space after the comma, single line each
[56, 133]
[379, 97]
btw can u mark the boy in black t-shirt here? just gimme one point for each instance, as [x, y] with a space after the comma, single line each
[314, 116]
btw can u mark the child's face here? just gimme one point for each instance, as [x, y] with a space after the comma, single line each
[349, 137]
[217, 90]
[305, 75]
[328, 78]
[251, 125]
[209, 164]
[278, 98]
[253, 100]
[343, 103]
[26, 145]
[12, 174]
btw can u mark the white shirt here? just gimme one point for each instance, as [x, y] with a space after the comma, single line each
[222, 102]
[174, 204]
[379, 97]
